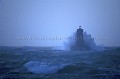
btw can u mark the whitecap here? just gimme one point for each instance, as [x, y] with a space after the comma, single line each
[42, 67]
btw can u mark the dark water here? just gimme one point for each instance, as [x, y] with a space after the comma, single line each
[45, 63]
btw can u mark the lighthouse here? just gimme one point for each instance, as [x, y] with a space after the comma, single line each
[79, 39]
[79, 43]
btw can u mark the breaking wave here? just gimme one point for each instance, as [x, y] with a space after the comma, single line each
[88, 42]
[42, 67]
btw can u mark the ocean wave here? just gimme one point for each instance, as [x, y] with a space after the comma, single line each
[42, 67]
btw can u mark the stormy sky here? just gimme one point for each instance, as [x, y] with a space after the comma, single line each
[27, 22]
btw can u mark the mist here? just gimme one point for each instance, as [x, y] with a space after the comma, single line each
[34, 19]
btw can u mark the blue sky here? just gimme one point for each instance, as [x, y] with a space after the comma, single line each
[41, 18]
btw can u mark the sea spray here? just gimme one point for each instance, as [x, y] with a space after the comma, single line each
[80, 40]
[89, 41]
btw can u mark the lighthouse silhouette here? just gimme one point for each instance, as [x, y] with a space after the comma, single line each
[79, 43]
[79, 39]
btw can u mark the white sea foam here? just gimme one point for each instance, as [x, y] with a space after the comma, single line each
[42, 68]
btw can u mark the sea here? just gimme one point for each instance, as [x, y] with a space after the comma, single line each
[34, 62]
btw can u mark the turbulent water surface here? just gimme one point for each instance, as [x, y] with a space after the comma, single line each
[48, 63]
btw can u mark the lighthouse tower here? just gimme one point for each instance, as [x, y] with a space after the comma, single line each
[79, 39]
[79, 43]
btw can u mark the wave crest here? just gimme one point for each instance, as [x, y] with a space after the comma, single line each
[42, 67]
